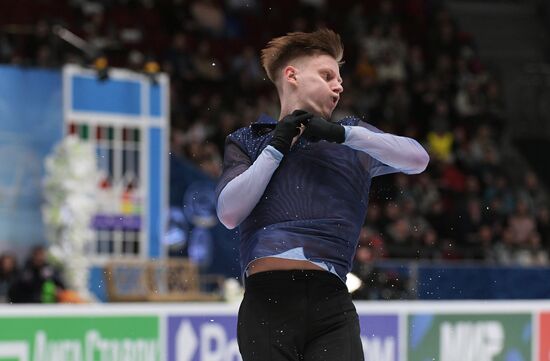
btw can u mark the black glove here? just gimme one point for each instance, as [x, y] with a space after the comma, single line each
[318, 128]
[287, 128]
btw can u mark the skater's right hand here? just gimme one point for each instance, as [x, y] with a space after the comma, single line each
[288, 129]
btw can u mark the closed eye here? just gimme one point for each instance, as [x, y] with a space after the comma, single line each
[328, 75]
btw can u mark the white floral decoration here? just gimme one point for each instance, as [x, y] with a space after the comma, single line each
[70, 188]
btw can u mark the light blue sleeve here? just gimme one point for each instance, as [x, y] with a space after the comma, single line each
[403, 154]
[239, 197]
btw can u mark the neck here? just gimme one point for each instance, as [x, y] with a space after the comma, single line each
[288, 105]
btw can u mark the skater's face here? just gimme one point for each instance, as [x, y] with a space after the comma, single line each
[315, 83]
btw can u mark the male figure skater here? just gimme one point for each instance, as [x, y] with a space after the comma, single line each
[300, 198]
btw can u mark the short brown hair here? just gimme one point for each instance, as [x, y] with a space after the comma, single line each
[279, 51]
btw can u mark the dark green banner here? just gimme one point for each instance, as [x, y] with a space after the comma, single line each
[86, 338]
[469, 337]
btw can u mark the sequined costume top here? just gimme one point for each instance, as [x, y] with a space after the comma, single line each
[311, 203]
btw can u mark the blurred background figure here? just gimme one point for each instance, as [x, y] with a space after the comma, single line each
[39, 281]
[8, 275]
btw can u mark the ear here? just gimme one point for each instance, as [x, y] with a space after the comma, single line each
[289, 74]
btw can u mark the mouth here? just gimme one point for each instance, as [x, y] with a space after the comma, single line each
[335, 100]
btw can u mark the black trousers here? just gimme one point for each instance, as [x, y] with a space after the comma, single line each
[298, 316]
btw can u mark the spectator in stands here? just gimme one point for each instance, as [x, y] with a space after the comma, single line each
[440, 142]
[390, 68]
[533, 193]
[39, 281]
[415, 63]
[522, 224]
[397, 107]
[246, 67]
[208, 16]
[504, 249]
[399, 234]
[482, 144]
[374, 43]
[210, 160]
[371, 244]
[207, 66]
[424, 192]
[494, 105]
[468, 100]
[364, 68]
[429, 248]
[482, 242]
[532, 254]
[8, 274]
[178, 61]
[543, 227]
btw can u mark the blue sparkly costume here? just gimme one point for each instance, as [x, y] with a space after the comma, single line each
[311, 203]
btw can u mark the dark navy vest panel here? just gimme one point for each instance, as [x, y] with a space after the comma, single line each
[316, 201]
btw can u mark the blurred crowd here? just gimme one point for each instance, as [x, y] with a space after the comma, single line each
[37, 281]
[408, 70]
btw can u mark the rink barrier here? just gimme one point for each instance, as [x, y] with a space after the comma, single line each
[390, 331]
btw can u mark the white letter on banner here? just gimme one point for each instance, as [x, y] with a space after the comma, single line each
[77, 351]
[376, 349]
[40, 347]
[144, 350]
[186, 342]
[494, 337]
[451, 343]
[151, 352]
[216, 333]
[91, 337]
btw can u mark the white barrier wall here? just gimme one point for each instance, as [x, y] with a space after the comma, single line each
[391, 331]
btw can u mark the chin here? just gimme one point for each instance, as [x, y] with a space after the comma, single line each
[324, 113]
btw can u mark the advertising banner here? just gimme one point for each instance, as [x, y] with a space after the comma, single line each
[470, 337]
[544, 336]
[214, 338]
[86, 338]
[380, 337]
[205, 338]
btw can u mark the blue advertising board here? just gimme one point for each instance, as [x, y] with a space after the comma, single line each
[214, 337]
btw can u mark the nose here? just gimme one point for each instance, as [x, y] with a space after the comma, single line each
[337, 88]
